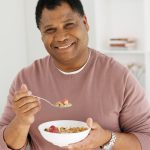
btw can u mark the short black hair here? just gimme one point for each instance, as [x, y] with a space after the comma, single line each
[75, 5]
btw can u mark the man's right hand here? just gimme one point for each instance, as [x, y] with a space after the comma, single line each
[25, 106]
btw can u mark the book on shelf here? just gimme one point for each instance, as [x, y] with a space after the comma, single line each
[122, 43]
[123, 39]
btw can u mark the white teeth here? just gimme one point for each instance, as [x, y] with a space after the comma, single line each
[64, 46]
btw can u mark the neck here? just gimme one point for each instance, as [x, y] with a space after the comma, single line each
[73, 65]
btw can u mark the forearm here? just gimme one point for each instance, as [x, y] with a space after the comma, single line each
[15, 135]
[126, 141]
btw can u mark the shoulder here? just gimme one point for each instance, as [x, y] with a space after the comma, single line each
[32, 71]
[108, 65]
[37, 66]
[105, 61]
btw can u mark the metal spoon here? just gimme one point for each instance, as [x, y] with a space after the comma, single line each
[53, 105]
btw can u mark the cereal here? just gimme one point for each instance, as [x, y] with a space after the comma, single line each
[64, 103]
[54, 129]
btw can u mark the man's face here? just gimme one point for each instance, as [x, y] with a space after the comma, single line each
[64, 34]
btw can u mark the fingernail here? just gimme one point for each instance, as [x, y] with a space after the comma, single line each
[37, 98]
[29, 93]
[23, 87]
[90, 122]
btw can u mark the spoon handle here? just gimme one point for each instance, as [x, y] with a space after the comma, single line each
[44, 100]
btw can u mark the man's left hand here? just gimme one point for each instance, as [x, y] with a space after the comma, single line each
[96, 138]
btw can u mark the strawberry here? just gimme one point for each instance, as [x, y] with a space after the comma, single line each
[53, 129]
[65, 102]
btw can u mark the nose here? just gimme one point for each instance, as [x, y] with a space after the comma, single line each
[61, 36]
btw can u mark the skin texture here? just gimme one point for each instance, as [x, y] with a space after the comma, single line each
[65, 37]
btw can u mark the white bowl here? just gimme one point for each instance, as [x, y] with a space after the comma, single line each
[63, 139]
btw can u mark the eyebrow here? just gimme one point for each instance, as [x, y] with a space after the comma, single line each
[68, 20]
[48, 26]
[51, 26]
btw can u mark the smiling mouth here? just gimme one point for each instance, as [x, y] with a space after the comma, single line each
[64, 47]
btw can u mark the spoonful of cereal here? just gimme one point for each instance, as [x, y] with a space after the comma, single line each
[59, 104]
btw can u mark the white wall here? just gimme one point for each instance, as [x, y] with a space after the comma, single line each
[34, 43]
[119, 18]
[13, 55]
[89, 5]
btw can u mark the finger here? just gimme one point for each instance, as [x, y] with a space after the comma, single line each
[95, 126]
[89, 122]
[84, 144]
[21, 94]
[81, 146]
[65, 147]
[24, 101]
[78, 146]
[33, 111]
[24, 87]
[29, 106]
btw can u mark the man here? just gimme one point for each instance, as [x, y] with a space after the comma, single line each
[99, 88]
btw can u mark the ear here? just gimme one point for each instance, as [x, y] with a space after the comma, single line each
[86, 23]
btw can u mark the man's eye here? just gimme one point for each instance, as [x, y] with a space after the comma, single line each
[50, 30]
[69, 25]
